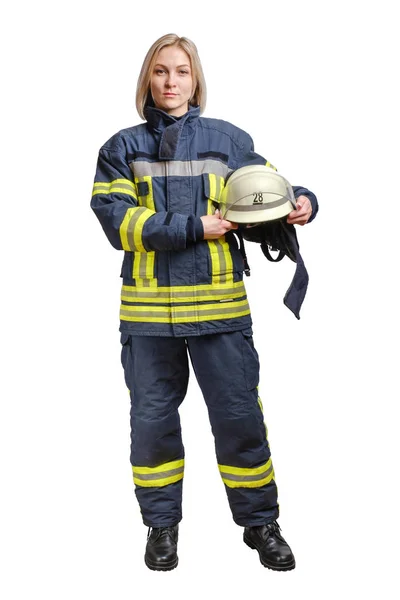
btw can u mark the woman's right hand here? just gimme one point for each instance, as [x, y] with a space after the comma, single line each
[215, 226]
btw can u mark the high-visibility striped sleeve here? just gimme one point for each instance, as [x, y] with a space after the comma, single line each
[122, 186]
[131, 228]
[160, 476]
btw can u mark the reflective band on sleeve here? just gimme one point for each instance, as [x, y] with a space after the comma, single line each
[158, 476]
[268, 164]
[122, 186]
[132, 227]
[239, 477]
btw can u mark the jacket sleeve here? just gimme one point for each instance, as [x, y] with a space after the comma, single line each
[246, 156]
[127, 225]
[302, 191]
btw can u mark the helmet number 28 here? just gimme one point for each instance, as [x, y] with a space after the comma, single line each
[258, 198]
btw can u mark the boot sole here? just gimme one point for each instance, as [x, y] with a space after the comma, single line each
[165, 567]
[273, 566]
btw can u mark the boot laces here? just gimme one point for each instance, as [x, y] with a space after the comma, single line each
[158, 531]
[273, 529]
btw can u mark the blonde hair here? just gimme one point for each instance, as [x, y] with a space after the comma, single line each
[143, 94]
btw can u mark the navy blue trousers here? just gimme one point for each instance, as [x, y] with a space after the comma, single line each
[227, 369]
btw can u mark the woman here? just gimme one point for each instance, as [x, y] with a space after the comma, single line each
[155, 194]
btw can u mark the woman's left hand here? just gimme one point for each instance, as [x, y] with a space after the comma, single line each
[303, 212]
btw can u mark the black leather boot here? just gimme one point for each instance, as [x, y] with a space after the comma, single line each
[274, 552]
[161, 548]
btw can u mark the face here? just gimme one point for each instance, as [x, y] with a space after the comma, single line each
[171, 81]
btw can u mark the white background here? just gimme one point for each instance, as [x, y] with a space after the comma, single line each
[314, 83]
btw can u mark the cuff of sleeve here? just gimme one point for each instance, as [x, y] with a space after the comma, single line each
[299, 191]
[194, 229]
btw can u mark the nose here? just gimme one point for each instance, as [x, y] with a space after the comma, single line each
[170, 81]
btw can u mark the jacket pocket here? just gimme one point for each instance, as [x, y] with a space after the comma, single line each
[212, 186]
[251, 361]
[144, 270]
[224, 256]
[144, 263]
[140, 266]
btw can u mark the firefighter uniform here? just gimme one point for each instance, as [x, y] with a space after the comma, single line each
[153, 183]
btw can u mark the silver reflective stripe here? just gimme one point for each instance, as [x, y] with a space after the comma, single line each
[222, 311]
[142, 266]
[122, 185]
[159, 475]
[176, 295]
[247, 477]
[131, 226]
[222, 261]
[237, 208]
[184, 168]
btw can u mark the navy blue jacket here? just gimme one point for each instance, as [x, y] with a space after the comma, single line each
[153, 183]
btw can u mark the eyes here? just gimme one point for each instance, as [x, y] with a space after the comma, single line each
[159, 71]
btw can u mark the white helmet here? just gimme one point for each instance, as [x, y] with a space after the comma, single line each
[256, 194]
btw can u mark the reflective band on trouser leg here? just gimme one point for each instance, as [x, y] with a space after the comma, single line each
[235, 477]
[158, 476]
[156, 372]
[242, 449]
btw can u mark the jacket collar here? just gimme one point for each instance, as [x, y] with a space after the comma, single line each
[170, 128]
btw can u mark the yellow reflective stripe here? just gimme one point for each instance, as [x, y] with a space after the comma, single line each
[202, 287]
[132, 227]
[242, 471]
[150, 258]
[143, 269]
[186, 308]
[148, 200]
[228, 276]
[268, 164]
[235, 477]
[137, 232]
[221, 258]
[158, 476]
[221, 261]
[123, 186]
[136, 264]
[249, 484]
[158, 482]
[215, 268]
[184, 314]
[213, 186]
[146, 283]
[144, 296]
[167, 295]
[175, 464]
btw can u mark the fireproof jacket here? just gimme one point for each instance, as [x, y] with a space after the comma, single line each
[153, 183]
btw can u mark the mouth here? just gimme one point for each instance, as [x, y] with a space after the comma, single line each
[169, 95]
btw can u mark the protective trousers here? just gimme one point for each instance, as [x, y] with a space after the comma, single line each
[227, 369]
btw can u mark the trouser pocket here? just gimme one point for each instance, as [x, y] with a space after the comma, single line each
[250, 359]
